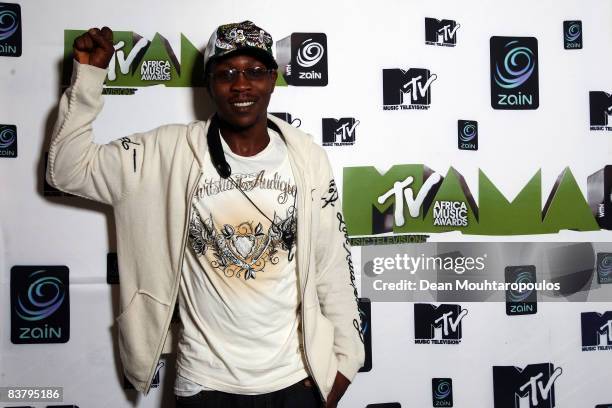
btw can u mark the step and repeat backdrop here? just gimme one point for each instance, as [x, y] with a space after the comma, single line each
[472, 152]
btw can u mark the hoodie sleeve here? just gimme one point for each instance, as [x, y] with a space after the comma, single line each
[336, 288]
[77, 165]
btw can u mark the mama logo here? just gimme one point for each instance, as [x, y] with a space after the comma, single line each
[139, 62]
[410, 198]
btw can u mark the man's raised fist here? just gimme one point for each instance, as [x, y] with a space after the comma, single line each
[95, 47]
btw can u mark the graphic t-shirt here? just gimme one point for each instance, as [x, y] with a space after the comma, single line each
[238, 295]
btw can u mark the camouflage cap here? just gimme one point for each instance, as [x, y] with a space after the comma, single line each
[244, 37]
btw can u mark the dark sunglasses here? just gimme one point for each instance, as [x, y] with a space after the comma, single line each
[230, 75]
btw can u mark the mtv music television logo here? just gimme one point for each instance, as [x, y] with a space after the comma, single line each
[572, 34]
[533, 386]
[441, 32]
[442, 392]
[8, 141]
[600, 106]
[596, 331]
[467, 134]
[302, 59]
[438, 324]
[10, 30]
[286, 116]
[40, 311]
[514, 73]
[409, 89]
[339, 132]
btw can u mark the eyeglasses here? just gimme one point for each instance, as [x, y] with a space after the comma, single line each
[227, 76]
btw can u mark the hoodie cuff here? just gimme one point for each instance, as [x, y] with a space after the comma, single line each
[89, 77]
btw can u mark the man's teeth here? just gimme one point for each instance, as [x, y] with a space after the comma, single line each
[243, 104]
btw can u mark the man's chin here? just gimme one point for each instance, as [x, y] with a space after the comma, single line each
[240, 123]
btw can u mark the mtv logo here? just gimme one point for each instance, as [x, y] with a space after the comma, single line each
[407, 87]
[596, 328]
[438, 322]
[600, 107]
[441, 32]
[287, 118]
[339, 131]
[531, 387]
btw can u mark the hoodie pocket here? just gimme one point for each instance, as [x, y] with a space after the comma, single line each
[320, 346]
[140, 333]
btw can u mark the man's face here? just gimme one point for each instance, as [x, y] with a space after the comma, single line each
[241, 102]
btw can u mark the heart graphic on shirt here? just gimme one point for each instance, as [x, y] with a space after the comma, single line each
[243, 244]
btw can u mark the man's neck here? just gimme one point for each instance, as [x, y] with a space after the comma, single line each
[246, 141]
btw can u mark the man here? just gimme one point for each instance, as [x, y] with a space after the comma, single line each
[237, 218]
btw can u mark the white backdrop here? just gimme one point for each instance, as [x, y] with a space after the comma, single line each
[363, 38]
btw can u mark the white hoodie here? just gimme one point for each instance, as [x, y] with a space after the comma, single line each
[149, 179]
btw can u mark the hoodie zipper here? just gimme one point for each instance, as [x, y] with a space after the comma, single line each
[304, 200]
[177, 280]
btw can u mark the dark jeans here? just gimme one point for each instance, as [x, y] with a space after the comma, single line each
[298, 395]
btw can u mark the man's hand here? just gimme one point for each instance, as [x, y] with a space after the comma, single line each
[95, 47]
[341, 383]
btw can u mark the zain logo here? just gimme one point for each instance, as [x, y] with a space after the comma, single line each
[573, 32]
[520, 296]
[443, 390]
[310, 53]
[44, 296]
[468, 133]
[9, 23]
[514, 73]
[518, 65]
[7, 137]
[605, 266]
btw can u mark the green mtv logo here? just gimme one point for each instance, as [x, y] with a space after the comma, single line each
[413, 198]
[138, 62]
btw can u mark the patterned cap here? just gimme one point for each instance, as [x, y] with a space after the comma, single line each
[245, 37]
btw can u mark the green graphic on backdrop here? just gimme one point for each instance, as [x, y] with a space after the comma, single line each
[412, 198]
[139, 62]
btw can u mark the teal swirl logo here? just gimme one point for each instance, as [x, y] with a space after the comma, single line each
[7, 137]
[605, 266]
[44, 296]
[468, 132]
[8, 24]
[573, 32]
[443, 390]
[518, 296]
[519, 64]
